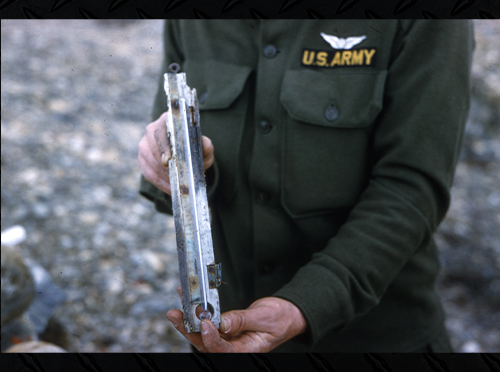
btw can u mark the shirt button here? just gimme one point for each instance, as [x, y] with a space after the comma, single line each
[262, 198]
[265, 127]
[331, 113]
[270, 51]
[266, 268]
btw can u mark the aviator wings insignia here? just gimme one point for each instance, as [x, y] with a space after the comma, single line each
[341, 43]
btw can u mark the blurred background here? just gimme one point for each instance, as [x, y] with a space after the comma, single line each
[88, 265]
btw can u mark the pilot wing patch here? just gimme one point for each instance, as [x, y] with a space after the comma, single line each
[341, 43]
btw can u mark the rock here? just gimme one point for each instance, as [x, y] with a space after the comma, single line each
[20, 213]
[66, 242]
[41, 210]
[148, 307]
[35, 347]
[18, 286]
[13, 236]
[48, 297]
[150, 261]
[102, 194]
[471, 347]
[56, 333]
[29, 298]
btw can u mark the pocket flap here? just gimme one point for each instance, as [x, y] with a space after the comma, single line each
[343, 100]
[217, 84]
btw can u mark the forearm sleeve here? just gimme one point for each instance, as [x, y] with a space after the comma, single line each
[416, 145]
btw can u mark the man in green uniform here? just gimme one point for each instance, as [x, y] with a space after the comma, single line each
[330, 151]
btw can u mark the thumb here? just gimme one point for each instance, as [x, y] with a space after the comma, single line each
[262, 316]
[162, 140]
[235, 321]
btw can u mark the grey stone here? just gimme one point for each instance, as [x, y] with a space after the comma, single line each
[150, 306]
[41, 210]
[18, 286]
[48, 297]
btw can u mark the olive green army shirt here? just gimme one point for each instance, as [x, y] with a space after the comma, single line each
[335, 147]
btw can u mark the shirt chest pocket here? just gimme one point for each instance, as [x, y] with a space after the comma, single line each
[327, 138]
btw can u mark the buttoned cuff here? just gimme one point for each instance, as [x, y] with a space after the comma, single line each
[307, 338]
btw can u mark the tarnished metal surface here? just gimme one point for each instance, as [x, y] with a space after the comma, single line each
[214, 276]
[200, 276]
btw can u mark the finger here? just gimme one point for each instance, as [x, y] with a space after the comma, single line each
[161, 139]
[153, 171]
[150, 159]
[175, 317]
[151, 155]
[212, 340]
[207, 146]
[208, 161]
[208, 152]
[153, 138]
[179, 292]
[152, 176]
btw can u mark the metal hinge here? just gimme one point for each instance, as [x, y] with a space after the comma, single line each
[214, 276]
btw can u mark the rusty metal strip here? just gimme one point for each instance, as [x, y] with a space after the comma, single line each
[200, 276]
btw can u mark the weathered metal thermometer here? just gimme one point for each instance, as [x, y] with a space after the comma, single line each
[200, 276]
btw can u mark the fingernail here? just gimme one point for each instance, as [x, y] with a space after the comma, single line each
[164, 158]
[204, 328]
[227, 323]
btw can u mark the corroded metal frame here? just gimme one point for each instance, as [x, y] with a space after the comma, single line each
[200, 276]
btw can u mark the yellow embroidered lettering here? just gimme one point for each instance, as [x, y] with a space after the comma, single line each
[308, 57]
[340, 58]
[321, 58]
[369, 55]
[346, 57]
[357, 57]
[335, 60]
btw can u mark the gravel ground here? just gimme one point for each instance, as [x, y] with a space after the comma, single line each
[75, 98]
